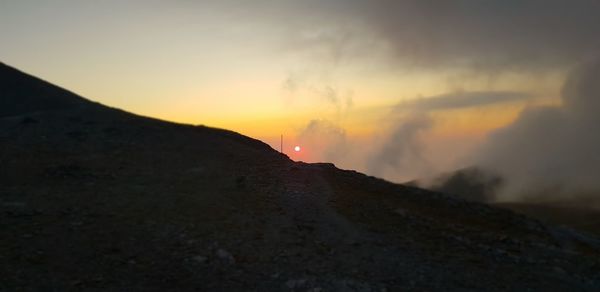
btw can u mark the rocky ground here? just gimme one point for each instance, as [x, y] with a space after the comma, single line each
[93, 198]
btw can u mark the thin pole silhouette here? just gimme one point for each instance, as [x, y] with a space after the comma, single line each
[281, 145]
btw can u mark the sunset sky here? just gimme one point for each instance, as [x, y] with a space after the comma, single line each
[352, 82]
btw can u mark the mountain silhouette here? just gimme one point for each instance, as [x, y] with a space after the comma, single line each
[23, 94]
[96, 198]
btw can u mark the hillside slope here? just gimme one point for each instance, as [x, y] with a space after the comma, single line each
[21, 93]
[96, 198]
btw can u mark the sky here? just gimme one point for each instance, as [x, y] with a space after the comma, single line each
[397, 89]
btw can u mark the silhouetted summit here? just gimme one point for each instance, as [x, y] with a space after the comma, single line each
[21, 93]
[28, 97]
[95, 198]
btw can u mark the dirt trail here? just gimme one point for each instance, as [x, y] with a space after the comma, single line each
[306, 198]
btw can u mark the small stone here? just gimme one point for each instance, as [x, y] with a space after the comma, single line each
[225, 255]
[400, 212]
[76, 223]
[200, 259]
[559, 270]
[297, 283]
[14, 204]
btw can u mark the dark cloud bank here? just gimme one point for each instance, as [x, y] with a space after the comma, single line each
[482, 35]
[488, 34]
[460, 99]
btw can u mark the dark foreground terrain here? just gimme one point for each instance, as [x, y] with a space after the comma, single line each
[94, 198]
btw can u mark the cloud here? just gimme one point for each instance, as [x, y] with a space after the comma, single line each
[292, 84]
[326, 141]
[402, 154]
[487, 34]
[483, 35]
[305, 83]
[551, 151]
[342, 101]
[330, 94]
[544, 147]
[461, 100]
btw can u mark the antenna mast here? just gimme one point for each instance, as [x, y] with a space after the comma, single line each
[281, 144]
